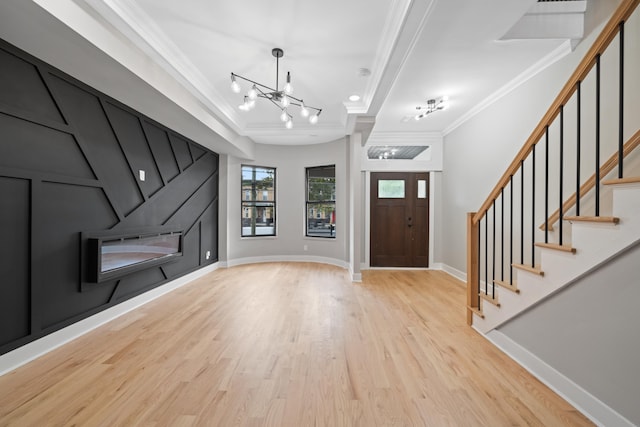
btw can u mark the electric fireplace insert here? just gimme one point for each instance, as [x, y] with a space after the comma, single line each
[114, 255]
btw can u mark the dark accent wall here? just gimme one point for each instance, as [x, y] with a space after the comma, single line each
[70, 158]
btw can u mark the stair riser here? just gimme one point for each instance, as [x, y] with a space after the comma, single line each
[595, 243]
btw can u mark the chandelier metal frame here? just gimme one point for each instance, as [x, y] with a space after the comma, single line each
[281, 98]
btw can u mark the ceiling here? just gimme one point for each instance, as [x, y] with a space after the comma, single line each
[413, 50]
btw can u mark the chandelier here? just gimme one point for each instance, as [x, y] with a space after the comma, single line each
[432, 106]
[281, 98]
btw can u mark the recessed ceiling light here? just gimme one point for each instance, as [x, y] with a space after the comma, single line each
[354, 98]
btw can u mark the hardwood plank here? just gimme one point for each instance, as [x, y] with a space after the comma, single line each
[490, 300]
[602, 219]
[557, 247]
[286, 344]
[618, 181]
[526, 267]
[513, 287]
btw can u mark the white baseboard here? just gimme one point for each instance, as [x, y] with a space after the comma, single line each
[581, 399]
[460, 275]
[28, 352]
[287, 258]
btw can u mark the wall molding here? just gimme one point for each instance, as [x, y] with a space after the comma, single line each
[460, 275]
[31, 351]
[286, 258]
[557, 54]
[593, 408]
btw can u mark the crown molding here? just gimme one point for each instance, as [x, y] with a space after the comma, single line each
[388, 40]
[558, 53]
[140, 30]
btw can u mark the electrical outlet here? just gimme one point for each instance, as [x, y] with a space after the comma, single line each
[208, 254]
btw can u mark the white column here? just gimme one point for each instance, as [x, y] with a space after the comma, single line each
[356, 219]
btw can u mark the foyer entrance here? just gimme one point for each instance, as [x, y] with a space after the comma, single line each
[399, 219]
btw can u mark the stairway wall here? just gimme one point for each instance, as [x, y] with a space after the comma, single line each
[477, 152]
[598, 344]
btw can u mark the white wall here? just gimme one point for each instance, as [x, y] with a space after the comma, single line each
[290, 163]
[598, 341]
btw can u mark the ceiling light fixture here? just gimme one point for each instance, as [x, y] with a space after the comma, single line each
[281, 98]
[432, 106]
[354, 98]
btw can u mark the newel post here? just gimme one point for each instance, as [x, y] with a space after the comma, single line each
[472, 266]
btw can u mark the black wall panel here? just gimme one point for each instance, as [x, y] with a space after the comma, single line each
[69, 164]
[162, 151]
[31, 96]
[14, 251]
[181, 149]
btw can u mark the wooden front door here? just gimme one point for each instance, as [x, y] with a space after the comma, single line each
[399, 219]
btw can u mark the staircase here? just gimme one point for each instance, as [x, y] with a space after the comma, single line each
[513, 262]
[594, 241]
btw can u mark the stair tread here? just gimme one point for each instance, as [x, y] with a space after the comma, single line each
[513, 287]
[629, 180]
[606, 219]
[477, 311]
[557, 247]
[525, 267]
[489, 299]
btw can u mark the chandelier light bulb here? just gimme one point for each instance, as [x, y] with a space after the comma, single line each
[245, 105]
[251, 104]
[253, 93]
[235, 87]
[289, 124]
[285, 101]
[288, 89]
[284, 116]
[314, 119]
[304, 111]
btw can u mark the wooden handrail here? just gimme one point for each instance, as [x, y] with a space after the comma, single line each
[608, 33]
[607, 167]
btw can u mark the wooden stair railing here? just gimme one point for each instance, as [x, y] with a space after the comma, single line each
[591, 61]
[605, 169]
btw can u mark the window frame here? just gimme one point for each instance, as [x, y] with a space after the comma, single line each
[257, 202]
[311, 203]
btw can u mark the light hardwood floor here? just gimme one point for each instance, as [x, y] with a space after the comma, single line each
[286, 344]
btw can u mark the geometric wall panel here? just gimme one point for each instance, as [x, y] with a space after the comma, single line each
[21, 87]
[39, 148]
[70, 162]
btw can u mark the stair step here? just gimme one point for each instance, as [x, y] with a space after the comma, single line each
[557, 247]
[604, 219]
[513, 287]
[525, 267]
[490, 300]
[477, 311]
[629, 180]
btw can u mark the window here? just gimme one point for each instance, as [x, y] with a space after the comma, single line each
[258, 216]
[321, 201]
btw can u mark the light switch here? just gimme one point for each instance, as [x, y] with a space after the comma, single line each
[142, 175]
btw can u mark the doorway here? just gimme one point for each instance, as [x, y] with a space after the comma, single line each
[399, 219]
